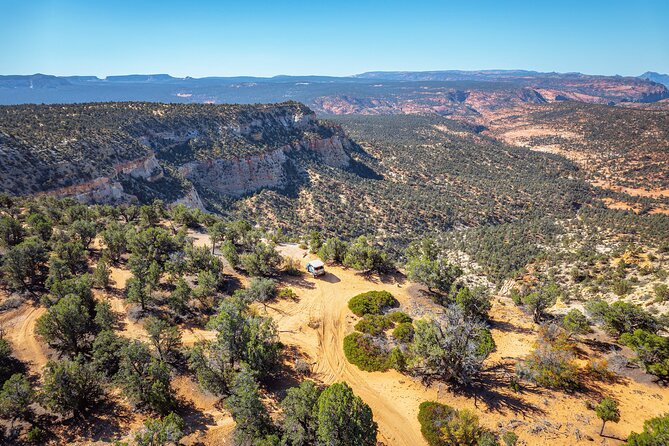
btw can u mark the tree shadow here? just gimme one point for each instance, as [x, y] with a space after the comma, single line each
[416, 290]
[599, 345]
[232, 283]
[484, 389]
[115, 292]
[509, 327]
[396, 278]
[434, 296]
[105, 424]
[596, 387]
[298, 282]
[194, 419]
[286, 376]
[388, 278]
[612, 437]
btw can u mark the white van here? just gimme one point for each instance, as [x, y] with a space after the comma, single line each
[316, 268]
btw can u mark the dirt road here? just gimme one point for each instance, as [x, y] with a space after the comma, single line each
[19, 324]
[317, 323]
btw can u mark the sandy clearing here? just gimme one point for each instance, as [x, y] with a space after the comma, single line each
[633, 191]
[119, 277]
[322, 303]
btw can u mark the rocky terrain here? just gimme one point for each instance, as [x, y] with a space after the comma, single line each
[113, 152]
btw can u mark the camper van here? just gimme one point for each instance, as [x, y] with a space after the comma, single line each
[316, 268]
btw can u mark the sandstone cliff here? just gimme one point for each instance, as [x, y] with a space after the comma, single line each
[138, 151]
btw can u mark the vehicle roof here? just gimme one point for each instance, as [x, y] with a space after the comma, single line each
[316, 263]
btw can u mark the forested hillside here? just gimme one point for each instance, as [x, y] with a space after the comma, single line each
[420, 174]
[618, 145]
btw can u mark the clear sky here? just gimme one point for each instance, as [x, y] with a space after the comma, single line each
[266, 38]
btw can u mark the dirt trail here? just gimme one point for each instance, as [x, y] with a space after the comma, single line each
[323, 304]
[19, 325]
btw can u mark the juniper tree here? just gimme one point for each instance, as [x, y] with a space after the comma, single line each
[160, 432]
[16, 397]
[165, 338]
[300, 422]
[114, 237]
[71, 387]
[343, 418]
[21, 263]
[145, 379]
[216, 234]
[607, 410]
[448, 347]
[66, 326]
[246, 407]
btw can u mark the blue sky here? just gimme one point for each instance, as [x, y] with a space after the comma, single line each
[266, 38]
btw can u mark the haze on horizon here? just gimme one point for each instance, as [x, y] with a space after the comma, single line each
[266, 38]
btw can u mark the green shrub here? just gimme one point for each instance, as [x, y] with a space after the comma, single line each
[550, 365]
[361, 351]
[621, 287]
[474, 301]
[372, 302]
[442, 425]
[661, 292]
[398, 317]
[651, 349]
[510, 438]
[333, 250]
[159, 432]
[485, 343]
[363, 256]
[655, 433]
[575, 322]
[621, 317]
[607, 410]
[397, 359]
[373, 324]
[287, 293]
[403, 332]
[432, 416]
[36, 435]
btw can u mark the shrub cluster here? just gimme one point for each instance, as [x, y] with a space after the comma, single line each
[442, 425]
[372, 302]
[373, 324]
[551, 363]
[360, 350]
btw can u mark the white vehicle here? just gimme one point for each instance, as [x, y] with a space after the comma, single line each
[316, 268]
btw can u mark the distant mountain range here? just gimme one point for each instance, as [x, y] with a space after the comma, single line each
[656, 77]
[443, 92]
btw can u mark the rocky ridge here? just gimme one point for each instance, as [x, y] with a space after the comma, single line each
[230, 150]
